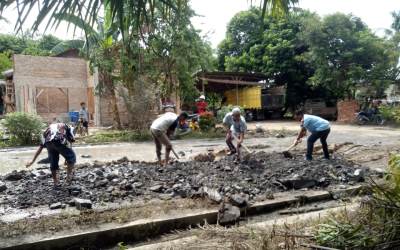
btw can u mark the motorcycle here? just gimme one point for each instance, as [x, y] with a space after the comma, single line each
[368, 117]
[192, 124]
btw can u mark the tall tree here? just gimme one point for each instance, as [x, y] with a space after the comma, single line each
[5, 62]
[274, 49]
[100, 49]
[346, 55]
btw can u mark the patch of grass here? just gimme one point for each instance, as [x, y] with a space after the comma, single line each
[249, 237]
[375, 225]
[116, 136]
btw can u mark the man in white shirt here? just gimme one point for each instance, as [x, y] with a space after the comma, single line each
[162, 128]
[236, 125]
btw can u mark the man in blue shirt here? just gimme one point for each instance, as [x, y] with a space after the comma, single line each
[319, 129]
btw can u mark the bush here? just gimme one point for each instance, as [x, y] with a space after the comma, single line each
[390, 113]
[24, 128]
[375, 225]
[207, 121]
[226, 109]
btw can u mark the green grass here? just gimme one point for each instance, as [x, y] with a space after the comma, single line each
[116, 136]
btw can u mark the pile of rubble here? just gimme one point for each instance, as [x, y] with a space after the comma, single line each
[257, 177]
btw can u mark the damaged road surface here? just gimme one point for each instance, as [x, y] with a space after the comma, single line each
[126, 181]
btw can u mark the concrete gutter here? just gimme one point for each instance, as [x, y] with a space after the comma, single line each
[147, 228]
[287, 220]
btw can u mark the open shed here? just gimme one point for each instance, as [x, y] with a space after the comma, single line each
[221, 81]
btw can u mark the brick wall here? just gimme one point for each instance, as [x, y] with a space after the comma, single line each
[106, 116]
[50, 86]
[43, 71]
[346, 110]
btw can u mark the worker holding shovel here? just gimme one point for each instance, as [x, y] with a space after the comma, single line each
[57, 139]
[236, 127]
[162, 128]
[319, 129]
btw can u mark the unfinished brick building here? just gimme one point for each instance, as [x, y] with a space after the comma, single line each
[53, 86]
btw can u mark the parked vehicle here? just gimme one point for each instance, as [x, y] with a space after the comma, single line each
[319, 108]
[258, 102]
[364, 118]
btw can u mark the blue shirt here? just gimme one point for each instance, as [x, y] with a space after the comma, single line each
[314, 123]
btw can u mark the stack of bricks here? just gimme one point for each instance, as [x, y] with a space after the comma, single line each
[346, 110]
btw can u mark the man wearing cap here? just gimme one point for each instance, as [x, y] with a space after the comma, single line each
[162, 128]
[319, 129]
[201, 105]
[236, 126]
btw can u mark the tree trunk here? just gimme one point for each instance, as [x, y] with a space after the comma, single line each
[115, 111]
[110, 93]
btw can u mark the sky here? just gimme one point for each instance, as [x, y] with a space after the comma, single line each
[214, 15]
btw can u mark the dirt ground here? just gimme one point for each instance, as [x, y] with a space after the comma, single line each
[366, 146]
[372, 145]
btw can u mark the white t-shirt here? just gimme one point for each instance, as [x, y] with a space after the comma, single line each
[236, 127]
[163, 122]
[240, 126]
[228, 120]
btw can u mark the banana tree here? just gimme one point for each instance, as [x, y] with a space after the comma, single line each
[125, 11]
[134, 20]
[99, 48]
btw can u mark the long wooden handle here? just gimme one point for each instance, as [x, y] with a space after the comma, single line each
[244, 146]
[291, 146]
[176, 155]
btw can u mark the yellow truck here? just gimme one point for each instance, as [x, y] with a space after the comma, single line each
[258, 102]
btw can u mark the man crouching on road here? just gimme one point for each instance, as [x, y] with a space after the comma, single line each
[162, 128]
[56, 138]
[319, 129]
[235, 125]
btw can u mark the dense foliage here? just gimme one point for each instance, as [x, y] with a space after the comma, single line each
[207, 121]
[328, 57]
[23, 128]
[24, 44]
[27, 44]
[376, 223]
[390, 113]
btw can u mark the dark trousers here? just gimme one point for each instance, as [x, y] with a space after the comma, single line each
[321, 135]
[229, 139]
[55, 149]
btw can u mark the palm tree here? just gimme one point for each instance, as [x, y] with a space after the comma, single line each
[131, 18]
[138, 11]
[98, 42]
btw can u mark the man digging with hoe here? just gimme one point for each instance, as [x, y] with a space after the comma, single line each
[162, 128]
[235, 125]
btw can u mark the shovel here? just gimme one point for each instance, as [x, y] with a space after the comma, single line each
[286, 153]
[244, 146]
